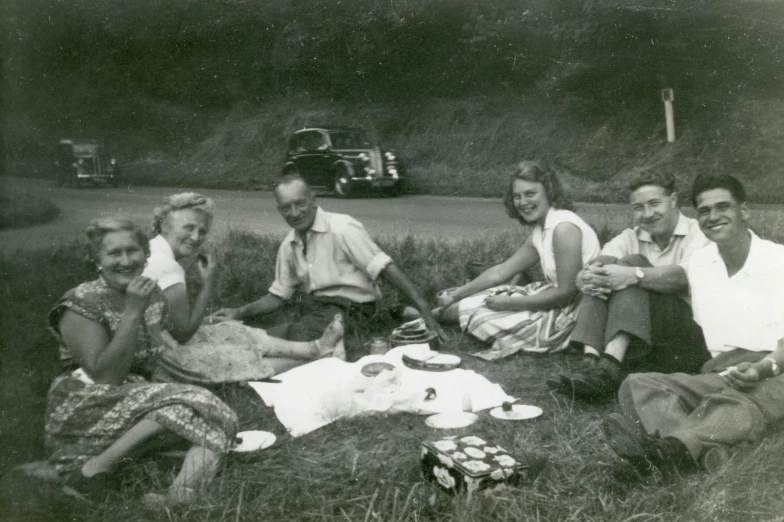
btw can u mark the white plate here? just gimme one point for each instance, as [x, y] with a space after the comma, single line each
[519, 412]
[444, 359]
[451, 419]
[416, 324]
[253, 441]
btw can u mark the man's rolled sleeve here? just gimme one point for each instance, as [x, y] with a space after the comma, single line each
[286, 280]
[377, 265]
[362, 250]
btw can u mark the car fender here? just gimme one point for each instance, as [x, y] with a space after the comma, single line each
[350, 169]
[289, 167]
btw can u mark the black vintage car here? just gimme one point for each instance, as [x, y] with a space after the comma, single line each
[344, 160]
[80, 162]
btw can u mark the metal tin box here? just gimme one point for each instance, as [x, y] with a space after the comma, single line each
[471, 463]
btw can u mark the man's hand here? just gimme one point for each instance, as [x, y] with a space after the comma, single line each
[743, 377]
[612, 278]
[590, 282]
[225, 314]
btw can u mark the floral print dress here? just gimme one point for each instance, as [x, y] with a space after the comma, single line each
[84, 418]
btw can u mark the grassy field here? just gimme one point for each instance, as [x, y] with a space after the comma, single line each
[21, 208]
[368, 468]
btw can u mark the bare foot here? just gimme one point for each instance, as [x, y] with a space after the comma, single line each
[331, 342]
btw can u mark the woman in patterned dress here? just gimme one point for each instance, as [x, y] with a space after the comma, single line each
[540, 316]
[227, 351]
[103, 408]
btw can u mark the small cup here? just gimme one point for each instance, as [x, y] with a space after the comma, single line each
[379, 345]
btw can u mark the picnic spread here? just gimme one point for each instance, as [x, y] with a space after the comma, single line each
[318, 393]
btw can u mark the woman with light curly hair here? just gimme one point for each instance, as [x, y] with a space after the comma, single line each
[223, 352]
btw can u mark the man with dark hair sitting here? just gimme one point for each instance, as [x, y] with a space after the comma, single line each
[681, 421]
[626, 322]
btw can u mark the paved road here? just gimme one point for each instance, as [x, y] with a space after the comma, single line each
[426, 217]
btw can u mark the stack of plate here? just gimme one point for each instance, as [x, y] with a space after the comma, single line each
[413, 332]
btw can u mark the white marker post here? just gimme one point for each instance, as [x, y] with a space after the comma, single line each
[668, 95]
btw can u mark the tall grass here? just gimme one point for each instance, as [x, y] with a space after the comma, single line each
[366, 468]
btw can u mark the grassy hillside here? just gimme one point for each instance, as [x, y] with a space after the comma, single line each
[205, 93]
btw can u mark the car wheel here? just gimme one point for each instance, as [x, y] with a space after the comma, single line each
[342, 186]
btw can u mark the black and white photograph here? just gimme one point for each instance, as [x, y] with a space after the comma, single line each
[392, 260]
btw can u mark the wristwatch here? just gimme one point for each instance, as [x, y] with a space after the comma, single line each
[639, 274]
[774, 368]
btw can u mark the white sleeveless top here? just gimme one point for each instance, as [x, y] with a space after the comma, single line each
[542, 239]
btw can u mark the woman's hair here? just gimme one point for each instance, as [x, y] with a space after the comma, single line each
[540, 173]
[706, 182]
[98, 228]
[181, 201]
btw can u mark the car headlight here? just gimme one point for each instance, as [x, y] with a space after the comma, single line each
[390, 156]
[392, 171]
[363, 157]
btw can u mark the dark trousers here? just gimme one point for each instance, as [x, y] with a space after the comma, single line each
[313, 314]
[665, 338]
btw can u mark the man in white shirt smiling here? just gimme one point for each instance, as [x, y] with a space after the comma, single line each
[737, 285]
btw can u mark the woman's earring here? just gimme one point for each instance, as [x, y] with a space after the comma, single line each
[98, 267]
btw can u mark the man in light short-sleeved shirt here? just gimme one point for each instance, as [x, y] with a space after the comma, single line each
[331, 262]
[623, 324]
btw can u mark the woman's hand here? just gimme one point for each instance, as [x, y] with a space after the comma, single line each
[138, 293]
[446, 298]
[205, 263]
[504, 303]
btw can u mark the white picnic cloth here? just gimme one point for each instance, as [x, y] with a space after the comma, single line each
[318, 393]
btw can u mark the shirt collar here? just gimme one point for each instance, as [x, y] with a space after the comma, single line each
[548, 220]
[160, 244]
[319, 225]
[755, 261]
[681, 229]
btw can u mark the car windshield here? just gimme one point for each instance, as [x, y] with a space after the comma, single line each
[349, 139]
[85, 149]
[311, 140]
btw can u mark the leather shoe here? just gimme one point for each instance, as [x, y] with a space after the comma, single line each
[630, 442]
[596, 382]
